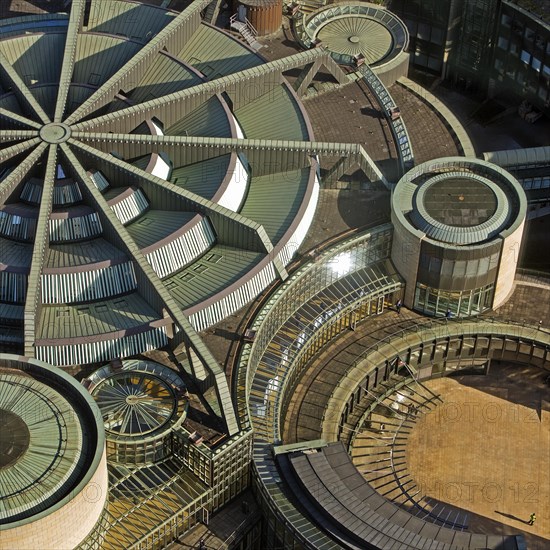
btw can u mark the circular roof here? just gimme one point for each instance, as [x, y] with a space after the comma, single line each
[459, 201]
[353, 29]
[138, 400]
[50, 441]
[141, 178]
[354, 35]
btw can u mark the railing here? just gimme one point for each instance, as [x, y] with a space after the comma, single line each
[400, 134]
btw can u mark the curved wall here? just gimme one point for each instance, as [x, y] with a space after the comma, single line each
[79, 498]
[458, 225]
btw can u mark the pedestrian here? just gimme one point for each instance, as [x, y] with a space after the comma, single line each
[448, 314]
[532, 519]
[398, 306]
[202, 546]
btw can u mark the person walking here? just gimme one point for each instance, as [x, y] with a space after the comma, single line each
[532, 519]
[398, 306]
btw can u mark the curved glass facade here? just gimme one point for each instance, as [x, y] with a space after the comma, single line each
[434, 301]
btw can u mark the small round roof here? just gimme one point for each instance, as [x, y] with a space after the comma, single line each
[459, 201]
[354, 35]
[358, 29]
[139, 399]
[50, 440]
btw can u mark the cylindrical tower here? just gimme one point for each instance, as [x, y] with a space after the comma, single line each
[53, 468]
[266, 16]
[141, 402]
[458, 227]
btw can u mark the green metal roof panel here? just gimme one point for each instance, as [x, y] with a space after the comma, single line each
[274, 199]
[76, 95]
[10, 103]
[136, 21]
[217, 54]
[216, 270]
[155, 225]
[59, 439]
[98, 57]
[81, 254]
[202, 178]
[140, 163]
[271, 125]
[36, 58]
[73, 321]
[210, 120]
[46, 96]
[166, 75]
[40, 23]
[14, 254]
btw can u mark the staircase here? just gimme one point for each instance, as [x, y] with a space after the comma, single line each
[385, 418]
[246, 30]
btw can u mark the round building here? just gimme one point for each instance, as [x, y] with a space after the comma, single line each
[458, 226]
[53, 468]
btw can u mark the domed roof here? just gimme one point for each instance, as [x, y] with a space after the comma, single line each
[130, 207]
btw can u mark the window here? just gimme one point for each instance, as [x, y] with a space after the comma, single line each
[423, 31]
[437, 36]
[506, 20]
[503, 43]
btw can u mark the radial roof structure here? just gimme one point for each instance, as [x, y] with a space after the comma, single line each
[155, 176]
[358, 29]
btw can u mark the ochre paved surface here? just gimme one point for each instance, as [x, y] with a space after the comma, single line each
[486, 449]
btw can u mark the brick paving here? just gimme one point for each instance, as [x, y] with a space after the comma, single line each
[529, 303]
[429, 136]
[18, 8]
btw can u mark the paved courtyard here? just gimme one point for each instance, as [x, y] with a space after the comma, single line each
[486, 450]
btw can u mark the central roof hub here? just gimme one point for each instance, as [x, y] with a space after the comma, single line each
[55, 132]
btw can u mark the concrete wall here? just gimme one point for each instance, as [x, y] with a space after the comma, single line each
[67, 527]
[507, 268]
[405, 255]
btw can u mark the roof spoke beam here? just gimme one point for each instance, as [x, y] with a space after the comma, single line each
[75, 26]
[14, 135]
[17, 120]
[265, 156]
[17, 149]
[9, 184]
[232, 229]
[152, 288]
[31, 315]
[173, 37]
[21, 90]
[243, 87]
